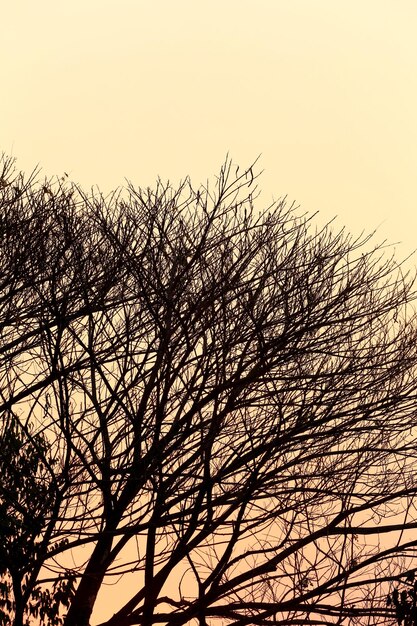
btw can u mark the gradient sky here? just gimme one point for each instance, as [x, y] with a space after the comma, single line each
[325, 90]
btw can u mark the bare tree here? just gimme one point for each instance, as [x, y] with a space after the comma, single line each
[220, 400]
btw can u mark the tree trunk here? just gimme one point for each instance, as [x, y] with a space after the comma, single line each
[82, 605]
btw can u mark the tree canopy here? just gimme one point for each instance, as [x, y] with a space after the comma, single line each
[216, 397]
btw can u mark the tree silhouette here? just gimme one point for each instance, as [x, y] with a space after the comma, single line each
[216, 399]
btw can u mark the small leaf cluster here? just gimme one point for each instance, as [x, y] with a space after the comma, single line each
[6, 604]
[46, 605]
[405, 602]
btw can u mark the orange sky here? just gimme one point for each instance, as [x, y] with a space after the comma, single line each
[326, 90]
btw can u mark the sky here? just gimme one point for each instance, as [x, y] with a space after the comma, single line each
[324, 90]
